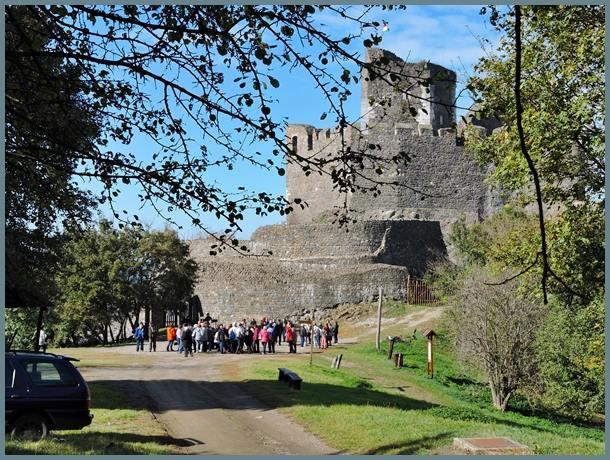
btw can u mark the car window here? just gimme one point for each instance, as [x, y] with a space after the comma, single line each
[9, 374]
[48, 373]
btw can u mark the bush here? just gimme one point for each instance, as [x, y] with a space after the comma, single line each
[572, 359]
[495, 328]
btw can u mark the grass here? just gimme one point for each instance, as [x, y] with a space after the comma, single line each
[109, 359]
[368, 406]
[118, 427]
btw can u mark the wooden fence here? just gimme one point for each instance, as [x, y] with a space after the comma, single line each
[418, 292]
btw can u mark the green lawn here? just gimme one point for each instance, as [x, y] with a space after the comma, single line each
[368, 406]
[118, 428]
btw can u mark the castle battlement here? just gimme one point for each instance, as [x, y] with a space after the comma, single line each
[439, 175]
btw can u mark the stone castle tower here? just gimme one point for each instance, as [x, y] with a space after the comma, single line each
[316, 264]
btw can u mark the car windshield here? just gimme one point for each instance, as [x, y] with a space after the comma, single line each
[48, 373]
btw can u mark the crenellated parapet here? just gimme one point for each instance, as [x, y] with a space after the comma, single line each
[414, 116]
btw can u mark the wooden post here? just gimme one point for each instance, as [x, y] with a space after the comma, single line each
[408, 289]
[339, 358]
[429, 334]
[399, 360]
[391, 349]
[378, 336]
[312, 337]
[430, 359]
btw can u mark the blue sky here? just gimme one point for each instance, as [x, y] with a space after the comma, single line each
[446, 35]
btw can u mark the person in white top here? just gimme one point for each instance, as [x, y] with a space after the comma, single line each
[179, 339]
[42, 341]
[197, 335]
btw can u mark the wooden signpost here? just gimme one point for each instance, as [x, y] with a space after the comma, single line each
[429, 334]
[378, 335]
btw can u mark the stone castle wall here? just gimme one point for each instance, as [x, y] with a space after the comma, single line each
[428, 88]
[249, 288]
[317, 264]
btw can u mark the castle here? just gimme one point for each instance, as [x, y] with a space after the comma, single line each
[317, 264]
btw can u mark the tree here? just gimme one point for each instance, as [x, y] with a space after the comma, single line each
[547, 84]
[109, 275]
[569, 343]
[496, 328]
[95, 283]
[47, 122]
[557, 53]
[165, 273]
[214, 67]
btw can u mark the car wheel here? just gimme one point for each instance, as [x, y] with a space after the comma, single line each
[30, 427]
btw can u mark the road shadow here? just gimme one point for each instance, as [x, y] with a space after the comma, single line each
[413, 446]
[104, 443]
[188, 395]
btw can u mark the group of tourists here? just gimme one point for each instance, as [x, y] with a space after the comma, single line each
[242, 336]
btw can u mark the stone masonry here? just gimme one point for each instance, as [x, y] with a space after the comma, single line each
[317, 264]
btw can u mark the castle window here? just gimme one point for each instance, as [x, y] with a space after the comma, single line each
[295, 142]
[328, 134]
[309, 141]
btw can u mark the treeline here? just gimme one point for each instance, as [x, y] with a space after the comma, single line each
[108, 280]
[550, 354]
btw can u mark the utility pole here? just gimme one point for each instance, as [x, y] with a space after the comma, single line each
[378, 336]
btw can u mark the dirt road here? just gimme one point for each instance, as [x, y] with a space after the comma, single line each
[201, 403]
[198, 404]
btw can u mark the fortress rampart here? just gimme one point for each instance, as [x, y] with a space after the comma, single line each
[317, 264]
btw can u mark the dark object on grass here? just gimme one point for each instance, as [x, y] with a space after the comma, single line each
[293, 380]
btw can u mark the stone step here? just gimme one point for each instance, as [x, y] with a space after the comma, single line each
[490, 446]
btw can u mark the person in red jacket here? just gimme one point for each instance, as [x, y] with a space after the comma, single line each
[290, 338]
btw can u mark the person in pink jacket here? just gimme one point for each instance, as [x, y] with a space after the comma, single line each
[264, 334]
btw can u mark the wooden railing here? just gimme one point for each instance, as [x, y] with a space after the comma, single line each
[418, 292]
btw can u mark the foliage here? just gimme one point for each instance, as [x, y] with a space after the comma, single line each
[563, 92]
[570, 342]
[165, 273]
[111, 274]
[572, 368]
[20, 327]
[47, 123]
[196, 81]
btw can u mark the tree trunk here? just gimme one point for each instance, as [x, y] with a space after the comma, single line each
[38, 328]
[111, 334]
[132, 324]
[499, 396]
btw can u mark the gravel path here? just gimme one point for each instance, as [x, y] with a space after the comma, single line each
[199, 402]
